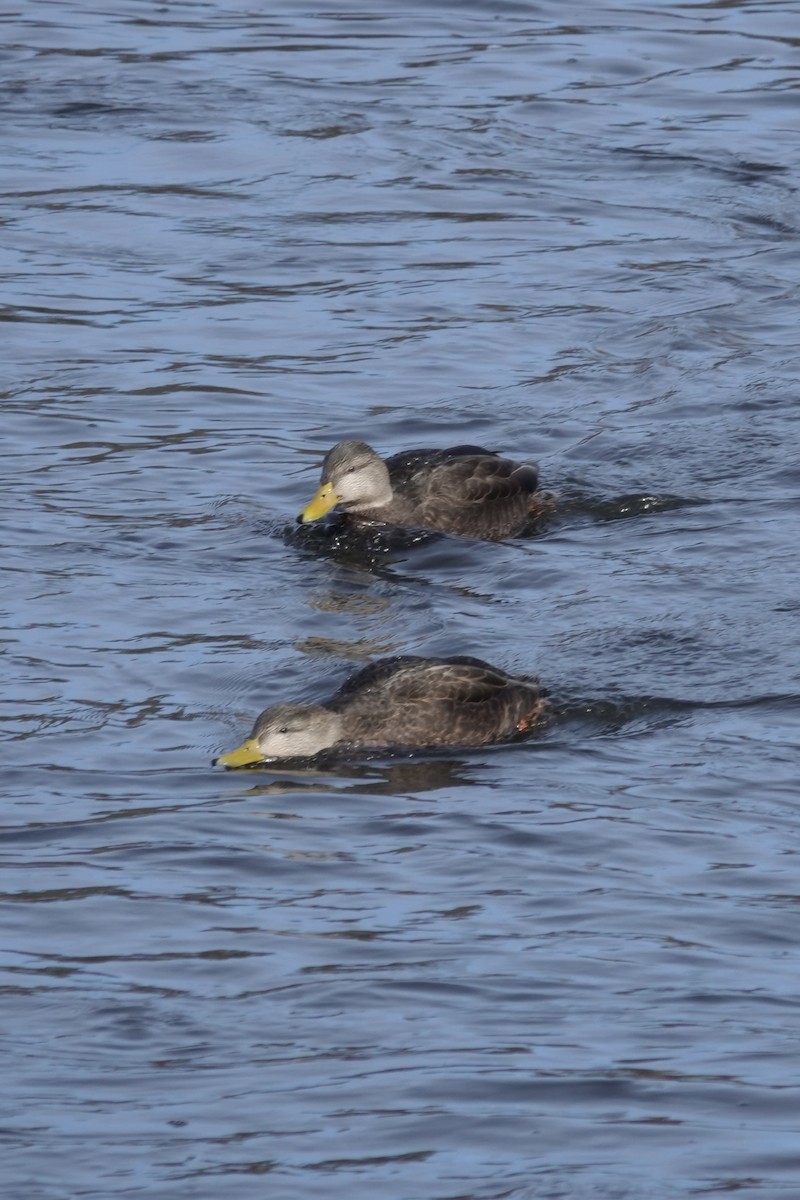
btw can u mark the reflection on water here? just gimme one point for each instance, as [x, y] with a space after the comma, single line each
[406, 777]
[563, 967]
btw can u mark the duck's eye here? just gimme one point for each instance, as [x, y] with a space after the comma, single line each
[283, 729]
[350, 471]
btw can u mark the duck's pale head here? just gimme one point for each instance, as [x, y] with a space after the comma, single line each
[286, 731]
[354, 477]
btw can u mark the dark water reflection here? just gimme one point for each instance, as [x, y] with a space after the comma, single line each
[233, 235]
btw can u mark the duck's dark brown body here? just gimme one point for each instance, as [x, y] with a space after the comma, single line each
[463, 489]
[410, 701]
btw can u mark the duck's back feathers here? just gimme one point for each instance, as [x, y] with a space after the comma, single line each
[403, 466]
[374, 676]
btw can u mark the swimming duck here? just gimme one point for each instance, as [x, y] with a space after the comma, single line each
[463, 489]
[397, 703]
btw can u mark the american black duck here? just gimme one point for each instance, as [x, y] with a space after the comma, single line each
[397, 703]
[463, 489]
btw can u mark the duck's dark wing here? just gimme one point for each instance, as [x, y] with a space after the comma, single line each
[460, 701]
[455, 700]
[374, 675]
[478, 496]
[460, 475]
[461, 489]
[402, 667]
[483, 480]
[408, 678]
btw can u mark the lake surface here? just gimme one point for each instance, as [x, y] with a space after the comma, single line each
[232, 235]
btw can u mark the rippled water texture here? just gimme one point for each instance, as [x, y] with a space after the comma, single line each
[233, 234]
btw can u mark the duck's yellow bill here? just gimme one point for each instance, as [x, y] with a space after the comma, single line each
[322, 503]
[243, 755]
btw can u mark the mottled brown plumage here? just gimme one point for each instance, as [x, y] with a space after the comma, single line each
[397, 703]
[463, 489]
